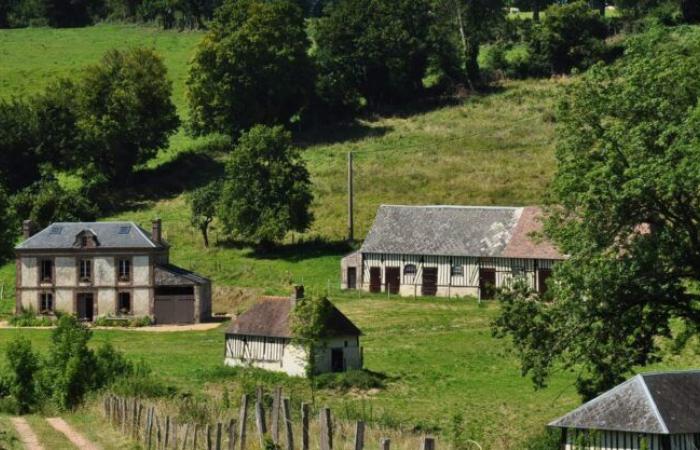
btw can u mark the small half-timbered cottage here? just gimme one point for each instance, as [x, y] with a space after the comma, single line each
[651, 411]
[262, 337]
[450, 251]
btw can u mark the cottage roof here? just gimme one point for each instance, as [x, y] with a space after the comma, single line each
[271, 317]
[112, 235]
[658, 403]
[458, 231]
[169, 275]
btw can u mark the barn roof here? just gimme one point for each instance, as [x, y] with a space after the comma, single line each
[658, 403]
[458, 231]
[271, 317]
[169, 275]
[112, 235]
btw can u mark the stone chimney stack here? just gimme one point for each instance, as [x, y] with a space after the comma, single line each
[27, 229]
[157, 231]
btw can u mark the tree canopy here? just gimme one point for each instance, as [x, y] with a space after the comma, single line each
[251, 68]
[626, 208]
[204, 203]
[266, 191]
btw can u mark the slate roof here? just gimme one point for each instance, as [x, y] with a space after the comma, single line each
[112, 235]
[169, 275]
[657, 403]
[271, 316]
[458, 231]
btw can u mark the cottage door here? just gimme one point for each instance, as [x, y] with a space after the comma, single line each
[337, 360]
[85, 306]
[352, 278]
[393, 279]
[487, 284]
[542, 277]
[375, 279]
[430, 278]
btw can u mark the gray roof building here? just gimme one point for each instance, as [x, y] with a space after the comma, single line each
[663, 403]
[109, 235]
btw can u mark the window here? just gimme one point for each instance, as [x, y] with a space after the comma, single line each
[457, 270]
[84, 241]
[85, 270]
[409, 269]
[46, 302]
[124, 306]
[46, 270]
[124, 229]
[124, 267]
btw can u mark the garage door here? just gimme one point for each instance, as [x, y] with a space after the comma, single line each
[174, 310]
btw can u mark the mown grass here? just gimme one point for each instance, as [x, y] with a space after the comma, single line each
[8, 437]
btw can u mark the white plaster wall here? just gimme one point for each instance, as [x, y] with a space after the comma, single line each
[66, 271]
[141, 270]
[63, 299]
[104, 271]
[30, 272]
[293, 362]
[106, 302]
[140, 300]
[29, 300]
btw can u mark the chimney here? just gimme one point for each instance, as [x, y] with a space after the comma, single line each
[157, 231]
[27, 229]
[298, 293]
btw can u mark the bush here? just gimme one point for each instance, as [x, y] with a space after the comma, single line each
[22, 364]
[28, 318]
[353, 379]
[123, 322]
[549, 439]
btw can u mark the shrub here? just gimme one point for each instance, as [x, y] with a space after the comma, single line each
[353, 379]
[22, 364]
[549, 439]
[123, 322]
[28, 318]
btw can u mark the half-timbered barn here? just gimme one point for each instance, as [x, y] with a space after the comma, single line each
[262, 337]
[652, 411]
[450, 251]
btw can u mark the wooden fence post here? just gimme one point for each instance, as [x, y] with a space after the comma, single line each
[174, 433]
[139, 413]
[194, 437]
[166, 439]
[385, 444]
[134, 411]
[428, 443]
[242, 419]
[125, 414]
[159, 433]
[218, 436]
[287, 414]
[304, 426]
[149, 429]
[232, 435]
[275, 417]
[208, 437]
[187, 436]
[359, 435]
[260, 418]
[326, 429]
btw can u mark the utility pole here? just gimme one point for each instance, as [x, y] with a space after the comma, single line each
[351, 224]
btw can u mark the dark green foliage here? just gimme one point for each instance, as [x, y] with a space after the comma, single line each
[126, 111]
[46, 201]
[29, 318]
[549, 439]
[19, 162]
[352, 379]
[627, 191]
[22, 366]
[67, 13]
[110, 365]
[8, 227]
[251, 68]
[374, 51]
[266, 191]
[309, 318]
[204, 203]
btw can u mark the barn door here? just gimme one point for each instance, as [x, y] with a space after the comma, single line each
[429, 286]
[393, 279]
[487, 283]
[352, 278]
[375, 279]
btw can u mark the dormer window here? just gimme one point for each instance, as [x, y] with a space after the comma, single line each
[85, 270]
[86, 239]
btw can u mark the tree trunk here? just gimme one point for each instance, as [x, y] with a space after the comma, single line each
[471, 55]
[691, 10]
[205, 235]
[536, 10]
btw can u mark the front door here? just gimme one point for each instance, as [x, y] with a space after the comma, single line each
[487, 283]
[542, 277]
[352, 278]
[430, 276]
[337, 360]
[393, 279]
[85, 307]
[375, 279]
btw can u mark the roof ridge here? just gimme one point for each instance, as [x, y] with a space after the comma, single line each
[652, 401]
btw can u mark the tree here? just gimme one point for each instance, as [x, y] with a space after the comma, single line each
[126, 112]
[266, 190]
[19, 162]
[626, 208]
[23, 364]
[203, 205]
[8, 227]
[251, 68]
[690, 10]
[373, 51]
[63, 14]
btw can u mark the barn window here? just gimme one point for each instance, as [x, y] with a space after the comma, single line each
[124, 269]
[46, 302]
[124, 305]
[85, 270]
[409, 269]
[46, 268]
[457, 270]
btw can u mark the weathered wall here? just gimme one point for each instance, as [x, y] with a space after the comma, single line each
[292, 362]
[352, 354]
[617, 440]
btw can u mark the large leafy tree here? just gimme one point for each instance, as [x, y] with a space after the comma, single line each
[374, 51]
[126, 113]
[266, 191]
[8, 227]
[19, 161]
[251, 68]
[626, 208]
[204, 202]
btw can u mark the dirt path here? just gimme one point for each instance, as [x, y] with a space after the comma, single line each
[68, 431]
[29, 439]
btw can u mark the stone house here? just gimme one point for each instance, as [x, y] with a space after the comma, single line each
[651, 411]
[450, 251]
[262, 337]
[115, 269]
